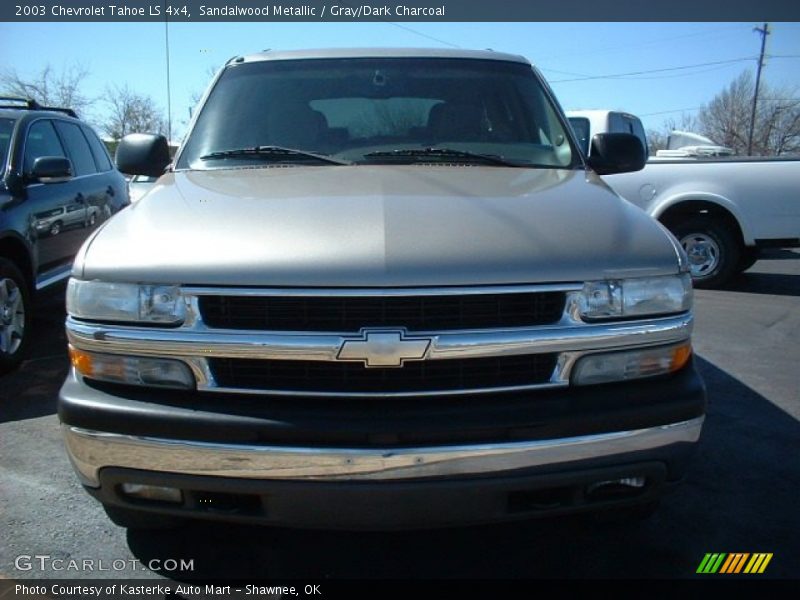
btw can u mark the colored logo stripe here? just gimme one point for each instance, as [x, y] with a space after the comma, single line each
[734, 562]
[711, 563]
[758, 563]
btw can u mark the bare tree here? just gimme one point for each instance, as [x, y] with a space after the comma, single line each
[656, 140]
[130, 112]
[49, 87]
[726, 119]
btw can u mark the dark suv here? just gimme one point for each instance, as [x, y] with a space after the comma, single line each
[57, 185]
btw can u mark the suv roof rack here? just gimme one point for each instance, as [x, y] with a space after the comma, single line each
[31, 104]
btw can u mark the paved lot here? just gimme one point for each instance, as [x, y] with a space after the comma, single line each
[740, 496]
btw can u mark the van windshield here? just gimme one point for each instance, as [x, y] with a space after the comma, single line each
[378, 110]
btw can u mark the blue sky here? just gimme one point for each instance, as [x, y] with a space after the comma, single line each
[134, 54]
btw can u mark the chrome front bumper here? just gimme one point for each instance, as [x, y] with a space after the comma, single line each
[91, 451]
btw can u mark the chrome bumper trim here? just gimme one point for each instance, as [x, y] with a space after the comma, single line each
[91, 451]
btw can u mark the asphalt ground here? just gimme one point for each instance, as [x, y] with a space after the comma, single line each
[741, 494]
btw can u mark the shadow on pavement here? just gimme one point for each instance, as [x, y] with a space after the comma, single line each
[780, 254]
[765, 283]
[31, 391]
[739, 496]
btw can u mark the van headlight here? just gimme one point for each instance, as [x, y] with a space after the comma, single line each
[639, 297]
[125, 302]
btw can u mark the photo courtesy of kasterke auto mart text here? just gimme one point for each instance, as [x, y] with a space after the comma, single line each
[381, 289]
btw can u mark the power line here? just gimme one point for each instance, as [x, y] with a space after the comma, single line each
[425, 35]
[612, 49]
[677, 75]
[563, 72]
[617, 75]
[665, 112]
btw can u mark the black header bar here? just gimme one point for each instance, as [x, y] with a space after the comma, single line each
[397, 10]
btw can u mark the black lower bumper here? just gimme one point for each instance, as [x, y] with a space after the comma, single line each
[394, 505]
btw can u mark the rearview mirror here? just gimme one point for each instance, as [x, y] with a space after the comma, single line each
[616, 153]
[51, 169]
[143, 154]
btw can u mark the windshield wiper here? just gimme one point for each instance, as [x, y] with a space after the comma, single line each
[272, 153]
[441, 153]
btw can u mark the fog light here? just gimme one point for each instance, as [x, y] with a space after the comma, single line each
[632, 364]
[154, 493]
[133, 370]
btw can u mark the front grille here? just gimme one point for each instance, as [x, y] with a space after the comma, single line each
[351, 313]
[416, 376]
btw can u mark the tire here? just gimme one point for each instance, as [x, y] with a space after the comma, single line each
[92, 220]
[55, 228]
[749, 257]
[136, 519]
[15, 316]
[713, 248]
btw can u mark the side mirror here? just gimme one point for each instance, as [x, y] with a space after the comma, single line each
[51, 169]
[143, 154]
[616, 153]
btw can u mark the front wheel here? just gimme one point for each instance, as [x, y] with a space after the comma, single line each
[15, 314]
[712, 248]
[750, 256]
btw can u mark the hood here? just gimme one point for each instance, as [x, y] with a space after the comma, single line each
[377, 226]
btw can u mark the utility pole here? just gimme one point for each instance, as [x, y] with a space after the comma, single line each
[764, 33]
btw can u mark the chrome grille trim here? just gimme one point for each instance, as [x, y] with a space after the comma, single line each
[193, 342]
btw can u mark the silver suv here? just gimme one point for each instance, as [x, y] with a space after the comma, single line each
[380, 289]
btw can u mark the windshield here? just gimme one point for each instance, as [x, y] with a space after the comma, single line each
[379, 110]
[6, 127]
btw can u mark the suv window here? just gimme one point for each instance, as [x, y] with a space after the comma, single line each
[79, 152]
[98, 150]
[42, 140]
[351, 108]
[6, 128]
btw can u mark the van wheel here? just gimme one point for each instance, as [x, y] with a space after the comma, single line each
[136, 519]
[712, 248]
[55, 228]
[15, 315]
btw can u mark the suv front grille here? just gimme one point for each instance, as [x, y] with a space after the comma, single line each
[351, 313]
[416, 376]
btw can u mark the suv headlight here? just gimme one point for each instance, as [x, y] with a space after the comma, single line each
[646, 296]
[126, 302]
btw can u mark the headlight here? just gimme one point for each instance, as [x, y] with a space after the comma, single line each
[636, 297]
[101, 301]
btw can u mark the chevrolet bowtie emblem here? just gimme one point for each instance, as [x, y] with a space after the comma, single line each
[384, 349]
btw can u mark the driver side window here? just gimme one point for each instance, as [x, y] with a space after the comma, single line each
[42, 140]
